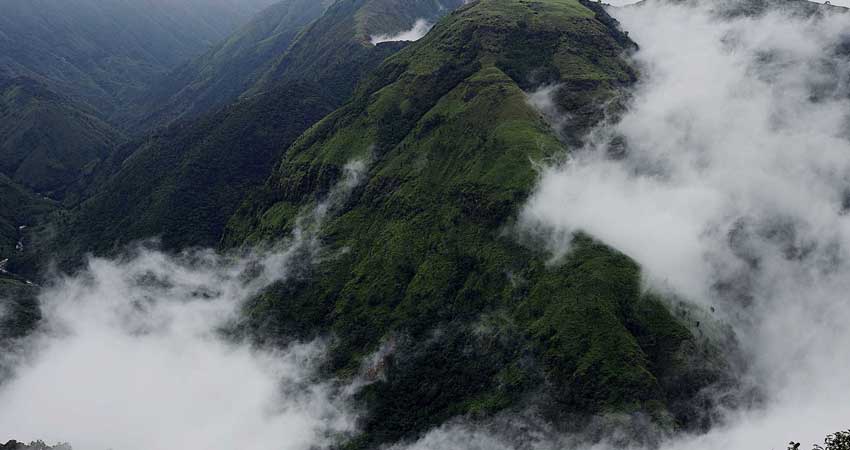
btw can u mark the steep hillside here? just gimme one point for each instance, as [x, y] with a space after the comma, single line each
[15, 445]
[222, 74]
[101, 52]
[421, 261]
[752, 8]
[325, 42]
[18, 310]
[46, 140]
[755, 8]
[336, 50]
[19, 315]
[18, 207]
[183, 183]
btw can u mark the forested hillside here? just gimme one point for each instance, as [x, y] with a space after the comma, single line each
[182, 184]
[321, 42]
[424, 224]
[47, 142]
[420, 256]
[230, 68]
[103, 52]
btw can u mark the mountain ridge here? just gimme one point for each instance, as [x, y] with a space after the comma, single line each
[100, 52]
[230, 68]
[108, 219]
[422, 256]
[324, 42]
[47, 141]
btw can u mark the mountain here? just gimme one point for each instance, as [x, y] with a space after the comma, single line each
[38, 445]
[19, 315]
[19, 311]
[337, 51]
[47, 141]
[18, 207]
[753, 8]
[104, 52]
[324, 42]
[183, 184]
[420, 264]
[395, 176]
[226, 71]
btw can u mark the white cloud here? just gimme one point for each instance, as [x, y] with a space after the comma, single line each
[457, 437]
[420, 28]
[131, 355]
[737, 168]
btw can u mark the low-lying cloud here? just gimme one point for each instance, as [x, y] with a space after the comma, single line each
[133, 354]
[420, 28]
[733, 194]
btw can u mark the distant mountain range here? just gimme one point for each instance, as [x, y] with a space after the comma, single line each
[216, 124]
[316, 41]
[104, 52]
[182, 184]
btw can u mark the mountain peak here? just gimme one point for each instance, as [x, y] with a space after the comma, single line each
[422, 253]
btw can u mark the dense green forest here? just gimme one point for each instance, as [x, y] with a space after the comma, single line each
[406, 166]
[47, 142]
[449, 141]
[104, 53]
[181, 184]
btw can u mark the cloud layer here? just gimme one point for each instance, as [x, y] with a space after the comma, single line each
[733, 193]
[420, 28]
[133, 355]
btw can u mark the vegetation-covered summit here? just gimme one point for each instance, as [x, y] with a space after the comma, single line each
[423, 258]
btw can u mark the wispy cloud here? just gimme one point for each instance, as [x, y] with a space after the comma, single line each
[132, 354]
[733, 193]
[420, 28]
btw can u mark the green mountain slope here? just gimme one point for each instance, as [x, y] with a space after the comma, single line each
[19, 316]
[46, 141]
[101, 52]
[229, 69]
[18, 310]
[18, 207]
[421, 260]
[336, 50]
[324, 42]
[39, 445]
[183, 183]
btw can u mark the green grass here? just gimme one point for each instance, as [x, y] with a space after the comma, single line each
[423, 254]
